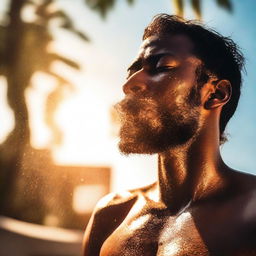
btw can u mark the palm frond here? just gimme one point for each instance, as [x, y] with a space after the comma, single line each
[60, 79]
[32, 2]
[226, 4]
[178, 7]
[41, 9]
[130, 2]
[101, 6]
[58, 14]
[196, 6]
[104, 6]
[56, 57]
[66, 23]
[80, 34]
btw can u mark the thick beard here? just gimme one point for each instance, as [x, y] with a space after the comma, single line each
[148, 127]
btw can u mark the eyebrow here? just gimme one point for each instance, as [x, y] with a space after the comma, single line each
[151, 59]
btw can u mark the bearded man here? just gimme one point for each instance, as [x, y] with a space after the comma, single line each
[180, 93]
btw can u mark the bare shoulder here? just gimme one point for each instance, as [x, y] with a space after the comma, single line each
[113, 199]
[108, 214]
[245, 185]
[118, 199]
[245, 182]
[106, 217]
[249, 211]
[250, 198]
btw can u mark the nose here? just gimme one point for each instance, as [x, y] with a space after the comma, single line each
[134, 86]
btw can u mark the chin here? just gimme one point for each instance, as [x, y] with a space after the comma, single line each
[135, 148]
[139, 140]
[147, 141]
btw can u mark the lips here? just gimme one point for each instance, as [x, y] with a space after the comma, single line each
[146, 107]
[135, 113]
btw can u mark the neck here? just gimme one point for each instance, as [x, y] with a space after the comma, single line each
[192, 172]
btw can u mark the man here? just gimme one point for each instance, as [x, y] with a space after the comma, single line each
[180, 93]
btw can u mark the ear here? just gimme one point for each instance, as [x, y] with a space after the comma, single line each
[220, 96]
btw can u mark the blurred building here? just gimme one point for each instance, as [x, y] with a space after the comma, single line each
[53, 195]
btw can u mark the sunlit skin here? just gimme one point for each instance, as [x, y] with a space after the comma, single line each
[199, 205]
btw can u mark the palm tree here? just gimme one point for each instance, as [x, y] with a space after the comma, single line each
[104, 6]
[23, 51]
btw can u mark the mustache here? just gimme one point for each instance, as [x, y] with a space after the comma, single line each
[135, 106]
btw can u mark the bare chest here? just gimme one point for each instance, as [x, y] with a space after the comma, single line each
[217, 233]
[152, 235]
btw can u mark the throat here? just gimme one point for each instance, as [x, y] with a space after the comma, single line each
[185, 179]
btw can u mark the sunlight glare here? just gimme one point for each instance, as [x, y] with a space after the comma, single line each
[6, 114]
[36, 96]
[85, 197]
[28, 13]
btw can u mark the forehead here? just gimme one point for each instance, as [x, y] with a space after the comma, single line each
[178, 45]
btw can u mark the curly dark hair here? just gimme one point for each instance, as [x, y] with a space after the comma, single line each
[221, 57]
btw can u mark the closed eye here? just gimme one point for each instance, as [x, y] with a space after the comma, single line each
[161, 69]
[165, 68]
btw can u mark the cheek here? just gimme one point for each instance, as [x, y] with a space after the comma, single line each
[173, 88]
[176, 96]
[188, 75]
[185, 83]
[160, 81]
[163, 84]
